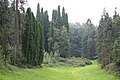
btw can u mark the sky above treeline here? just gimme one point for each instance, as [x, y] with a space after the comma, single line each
[78, 10]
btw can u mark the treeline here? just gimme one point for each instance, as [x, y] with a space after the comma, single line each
[21, 35]
[83, 40]
[108, 42]
[25, 38]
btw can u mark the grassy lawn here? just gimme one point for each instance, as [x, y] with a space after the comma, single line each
[91, 72]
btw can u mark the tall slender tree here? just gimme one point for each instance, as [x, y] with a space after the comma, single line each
[46, 30]
[4, 28]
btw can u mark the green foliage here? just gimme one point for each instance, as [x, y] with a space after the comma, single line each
[46, 29]
[108, 42]
[68, 62]
[116, 51]
[43, 18]
[32, 41]
[5, 27]
[113, 68]
[83, 39]
[59, 39]
[32, 36]
[64, 43]
[76, 62]
[105, 39]
[0, 55]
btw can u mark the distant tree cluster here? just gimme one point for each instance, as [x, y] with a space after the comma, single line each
[83, 39]
[59, 40]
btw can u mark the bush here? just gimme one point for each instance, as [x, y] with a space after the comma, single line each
[69, 62]
[62, 60]
[113, 68]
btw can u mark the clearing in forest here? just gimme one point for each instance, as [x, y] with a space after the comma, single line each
[91, 72]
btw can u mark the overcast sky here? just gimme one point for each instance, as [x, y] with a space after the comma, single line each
[78, 10]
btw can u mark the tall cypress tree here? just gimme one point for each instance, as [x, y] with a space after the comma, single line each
[46, 30]
[63, 17]
[59, 19]
[66, 22]
[32, 41]
[38, 13]
[26, 36]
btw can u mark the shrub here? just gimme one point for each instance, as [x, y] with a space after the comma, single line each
[70, 62]
[113, 68]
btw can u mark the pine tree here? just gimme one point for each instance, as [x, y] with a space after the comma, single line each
[100, 39]
[105, 40]
[4, 28]
[64, 46]
[116, 51]
[116, 38]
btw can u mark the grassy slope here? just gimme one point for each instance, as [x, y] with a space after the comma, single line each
[92, 72]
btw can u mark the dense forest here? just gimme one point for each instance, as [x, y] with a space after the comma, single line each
[83, 39]
[24, 38]
[27, 39]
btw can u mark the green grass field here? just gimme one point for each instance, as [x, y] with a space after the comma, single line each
[91, 72]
